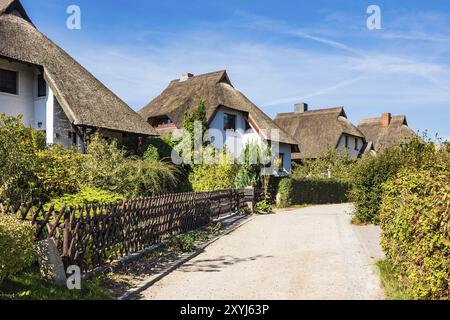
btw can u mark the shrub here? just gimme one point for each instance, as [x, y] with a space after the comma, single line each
[151, 153]
[334, 161]
[107, 167]
[212, 177]
[57, 171]
[414, 216]
[311, 191]
[86, 195]
[18, 147]
[372, 172]
[263, 207]
[17, 246]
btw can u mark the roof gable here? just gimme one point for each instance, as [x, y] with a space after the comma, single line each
[14, 7]
[84, 98]
[382, 138]
[317, 130]
[216, 90]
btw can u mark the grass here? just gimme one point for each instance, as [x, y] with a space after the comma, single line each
[395, 289]
[28, 285]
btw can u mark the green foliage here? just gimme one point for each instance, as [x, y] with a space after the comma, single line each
[107, 167]
[371, 173]
[28, 285]
[151, 153]
[17, 245]
[338, 163]
[57, 172]
[395, 289]
[311, 191]
[85, 196]
[250, 170]
[198, 115]
[212, 177]
[414, 216]
[263, 207]
[18, 147]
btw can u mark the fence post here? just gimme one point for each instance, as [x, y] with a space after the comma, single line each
[66, 238]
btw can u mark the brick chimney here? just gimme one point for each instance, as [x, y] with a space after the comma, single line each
[301, 107]
[386, 120]
[186, 76]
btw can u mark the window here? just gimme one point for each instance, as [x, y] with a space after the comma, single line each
[229, 122]
[161, 122]
[8, 81]
[346, 141]
[41, 86]
[356, 144]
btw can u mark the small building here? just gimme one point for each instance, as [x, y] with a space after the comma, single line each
[236, 120]
[317, 130]
[53, 92]
[386, 131]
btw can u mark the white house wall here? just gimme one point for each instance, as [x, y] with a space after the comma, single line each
[236, 141]
[352, 151]
[23, 102]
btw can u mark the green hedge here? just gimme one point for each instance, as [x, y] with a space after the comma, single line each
[415, 217]
[311, 191]
[17, 245]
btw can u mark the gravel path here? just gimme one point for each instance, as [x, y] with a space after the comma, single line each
[310, 253]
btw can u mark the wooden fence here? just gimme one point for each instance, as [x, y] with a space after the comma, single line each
[95, 235]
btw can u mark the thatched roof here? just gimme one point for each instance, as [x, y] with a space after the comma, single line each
[386, 136]
[216, 90]
[317, 130]
[85, 100]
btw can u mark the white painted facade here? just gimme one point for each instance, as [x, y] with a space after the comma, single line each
[42, 113]
[354, 145]
[236, 140]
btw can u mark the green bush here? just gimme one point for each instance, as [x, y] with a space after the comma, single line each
[107, 167]
[370, 173]
[263, 207]
[85, 196]
[18, 147]
[416, 229]
[336, 162]
[17, 246]
[212, 177]
[311, 191]
[57, 172]
[151, 153]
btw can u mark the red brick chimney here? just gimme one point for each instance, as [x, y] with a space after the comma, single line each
[386, 120]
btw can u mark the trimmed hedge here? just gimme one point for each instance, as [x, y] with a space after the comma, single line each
[311, 191]
[17, 245]
[414, 216]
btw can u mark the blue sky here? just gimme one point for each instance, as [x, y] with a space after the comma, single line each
[276, 52]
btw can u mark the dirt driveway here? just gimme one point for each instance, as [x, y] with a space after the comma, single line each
[310, 253]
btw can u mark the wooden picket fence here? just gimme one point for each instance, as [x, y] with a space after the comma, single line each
[95, 235]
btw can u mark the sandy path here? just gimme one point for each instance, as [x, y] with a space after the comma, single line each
[310, 253]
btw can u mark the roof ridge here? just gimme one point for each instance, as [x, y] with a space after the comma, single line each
[313, 112]
[202, 75]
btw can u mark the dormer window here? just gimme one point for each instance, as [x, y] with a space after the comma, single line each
[41, 86]
[229, 122]
[8, 81]
[161, 122]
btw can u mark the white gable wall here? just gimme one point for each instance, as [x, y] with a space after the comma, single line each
[235, 142]
[23, 102]
[354, 149]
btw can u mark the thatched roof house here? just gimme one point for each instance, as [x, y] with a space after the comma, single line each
[215, 90]
[86, 102]
[317, 130]
[386, 131]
